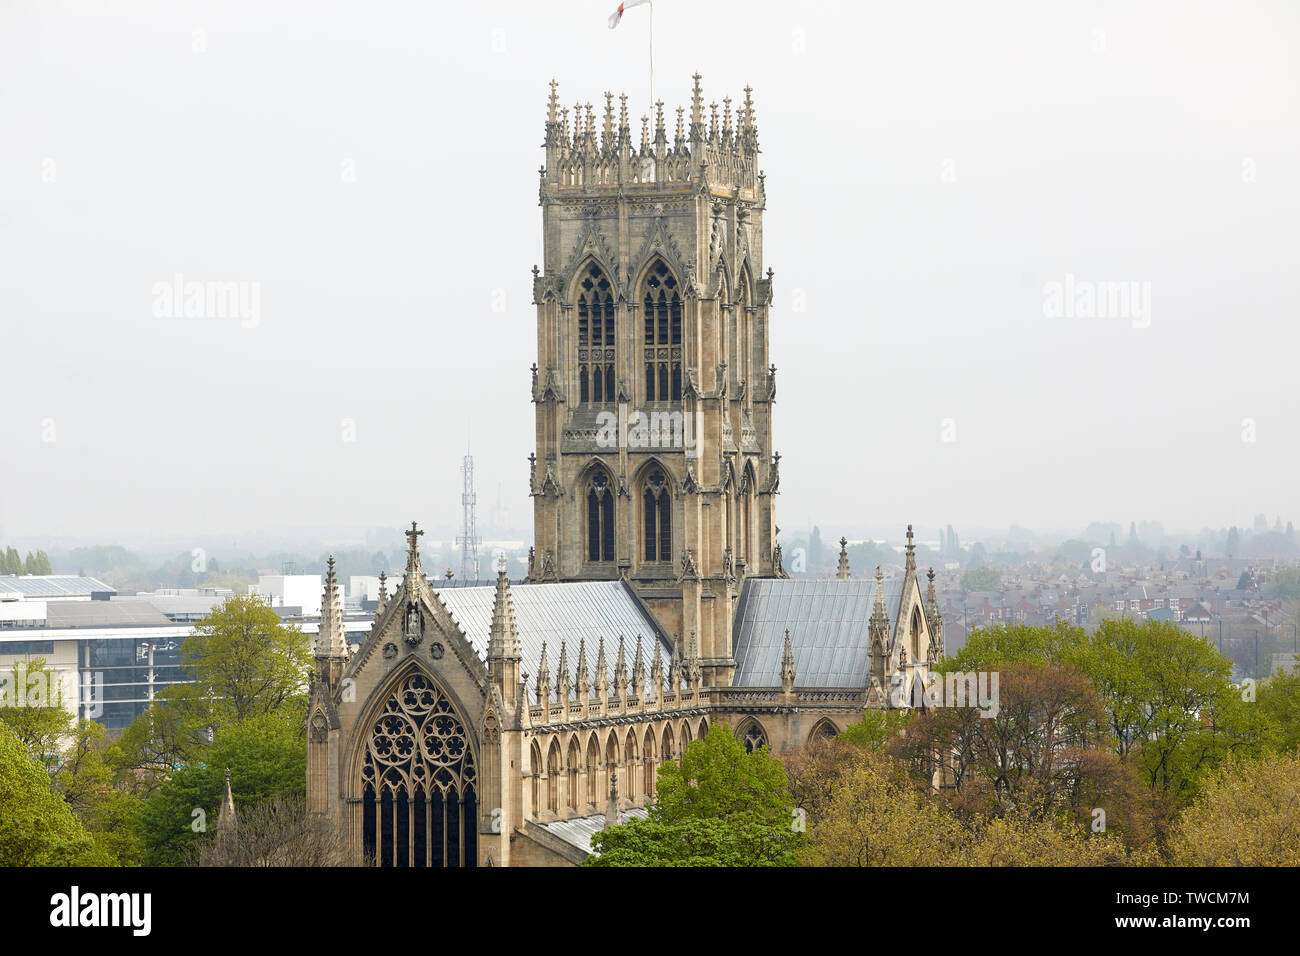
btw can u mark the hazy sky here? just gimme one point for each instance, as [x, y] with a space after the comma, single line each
[371, 168]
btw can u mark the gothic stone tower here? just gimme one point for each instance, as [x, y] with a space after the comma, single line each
[653, 387]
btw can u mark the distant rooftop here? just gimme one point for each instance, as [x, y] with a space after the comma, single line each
[52, 586]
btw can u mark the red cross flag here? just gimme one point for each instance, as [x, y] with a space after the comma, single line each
[617, 15]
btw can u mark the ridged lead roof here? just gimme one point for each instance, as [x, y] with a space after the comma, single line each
[568, 611]
[827, 620]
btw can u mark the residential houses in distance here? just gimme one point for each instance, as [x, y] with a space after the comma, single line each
[1252, 625]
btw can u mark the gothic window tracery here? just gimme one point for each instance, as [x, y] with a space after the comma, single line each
[663, 336]
[600, 517]
[753, 736]
[418, 781]
[596, 343]
[656, 507]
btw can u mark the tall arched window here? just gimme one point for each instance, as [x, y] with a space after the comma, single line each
[663, 336]
[600, 517]
[419, 805]
[595, 338]
[916, 636]
[656, 506]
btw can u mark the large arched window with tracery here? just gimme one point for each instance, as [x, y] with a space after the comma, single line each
[600, 517]
[419, 802]
[663, 336]
[657, 515]
[595, 338]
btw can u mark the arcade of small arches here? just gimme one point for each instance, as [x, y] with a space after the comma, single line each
[570, 774]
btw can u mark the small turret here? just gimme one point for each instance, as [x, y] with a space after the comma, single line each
[787, 666]
[504, 654]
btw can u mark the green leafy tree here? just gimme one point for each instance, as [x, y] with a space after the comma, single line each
[722, 807]
[1279, 702]
[743, 839]
[267, 757]
[876, 728]
[875, 817]
[34, 712]
[245, 662]
[37, 827]
[718, 777]
[1247, 814]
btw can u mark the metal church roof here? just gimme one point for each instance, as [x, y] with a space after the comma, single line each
[579, 831]
[827, 620]
[568, 611]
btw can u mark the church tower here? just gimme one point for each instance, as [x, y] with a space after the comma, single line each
[653, 384]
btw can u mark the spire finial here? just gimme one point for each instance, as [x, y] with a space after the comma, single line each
[842, 572]
[553, 102]
[607, 137]
[911, 550]
[503, 639]
[787, 665]
[697, 111]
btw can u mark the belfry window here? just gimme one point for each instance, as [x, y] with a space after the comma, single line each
[600, 518]
[595, 338]
[656, 505]
[663, 336]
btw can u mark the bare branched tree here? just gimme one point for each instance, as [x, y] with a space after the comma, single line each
[276, 832]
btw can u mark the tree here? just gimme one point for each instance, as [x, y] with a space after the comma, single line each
[33, 694]
[267, 757]
[743, 839]
[874, 817]
[1279, 702]
[718, 777]
[1234, 542]
[1245, 581]
[1286, 584]
[980, 579]
[1043, 753]
[723, 806]
[1247, 814]
[244, 661]
[1022, 839]
[37, 828]
[275, 832]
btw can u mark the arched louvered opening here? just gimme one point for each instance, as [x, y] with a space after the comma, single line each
[662, 304]
[596, 345]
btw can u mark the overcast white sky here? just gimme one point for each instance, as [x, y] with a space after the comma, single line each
[930, 167]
